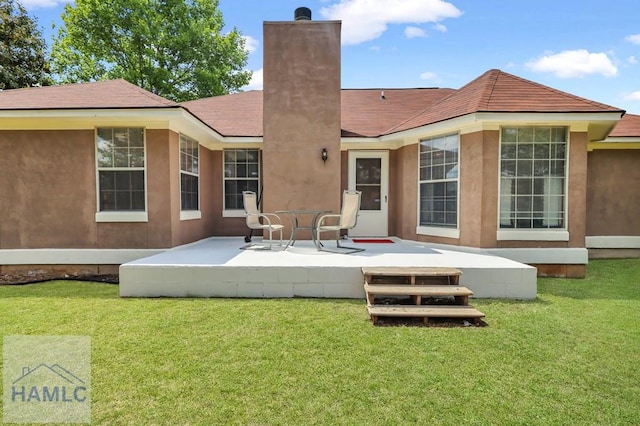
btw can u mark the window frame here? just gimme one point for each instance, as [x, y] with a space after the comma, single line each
[228, 212]
[548, 233]
[121, 215]
[189, 214]
[445, 231]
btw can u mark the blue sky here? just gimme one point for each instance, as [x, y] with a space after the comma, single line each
[590, 48]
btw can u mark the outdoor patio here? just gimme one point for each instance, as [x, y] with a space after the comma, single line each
[216, 267]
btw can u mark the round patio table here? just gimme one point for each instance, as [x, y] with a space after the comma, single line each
[295, 215]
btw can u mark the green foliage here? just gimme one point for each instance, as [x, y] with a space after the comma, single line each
[173, 48]
[23, 61]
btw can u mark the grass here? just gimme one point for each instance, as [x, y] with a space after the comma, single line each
[569, 357]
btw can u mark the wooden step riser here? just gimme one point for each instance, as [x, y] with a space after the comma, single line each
[426, 312]
[417, 299]
[460, 294]
[423, 290]
[382, 279]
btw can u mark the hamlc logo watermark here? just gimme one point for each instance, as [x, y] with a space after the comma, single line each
[47, 379]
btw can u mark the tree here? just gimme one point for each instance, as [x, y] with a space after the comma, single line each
[173, 48]
[23, 61]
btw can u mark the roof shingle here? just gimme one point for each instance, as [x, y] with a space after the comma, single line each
[628, 127]
[96, 95]
[498, 91]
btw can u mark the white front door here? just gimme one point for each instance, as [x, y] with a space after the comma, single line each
[369, 173]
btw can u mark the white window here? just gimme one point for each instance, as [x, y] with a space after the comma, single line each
[241, 173]
[189, 174]
[121, 169]
[532, 178]
[439, 182]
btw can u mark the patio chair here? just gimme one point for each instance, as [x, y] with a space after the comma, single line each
[347, 219]
[257, 220]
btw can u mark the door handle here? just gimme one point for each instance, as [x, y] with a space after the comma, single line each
[385, 198]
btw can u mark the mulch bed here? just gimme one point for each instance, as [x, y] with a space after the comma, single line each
[38, 276]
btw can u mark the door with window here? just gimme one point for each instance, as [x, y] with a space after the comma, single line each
[369, 173]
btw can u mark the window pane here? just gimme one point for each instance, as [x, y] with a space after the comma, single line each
[525, 134]
[107, 181]
[509, 135]
[508, 168]
[541, 167]
[370, 197]
[542, 134]
[122, 190]
[136, 138]
[189, 192]
[241, 173]
[525, 151]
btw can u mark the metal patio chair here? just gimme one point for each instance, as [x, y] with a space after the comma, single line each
[257, 220]
[347, 219]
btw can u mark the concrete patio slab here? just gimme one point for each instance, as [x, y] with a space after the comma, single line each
[215, 267]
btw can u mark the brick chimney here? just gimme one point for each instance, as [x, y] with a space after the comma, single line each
[301, 114]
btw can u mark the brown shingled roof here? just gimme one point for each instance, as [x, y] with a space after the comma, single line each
[97, 95]
[628, 127]
[366, 113]
[498, 91]
[238, 114]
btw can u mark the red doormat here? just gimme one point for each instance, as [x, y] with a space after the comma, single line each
[372, 240]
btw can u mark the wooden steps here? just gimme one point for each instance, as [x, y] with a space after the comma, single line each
[425, 311]
[418, 282]
[460, 294]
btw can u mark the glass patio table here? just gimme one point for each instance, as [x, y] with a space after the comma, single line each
[295, 215]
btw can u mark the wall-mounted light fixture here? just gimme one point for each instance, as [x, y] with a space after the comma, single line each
[325, 155]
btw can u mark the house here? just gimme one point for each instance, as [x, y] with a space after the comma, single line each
[96, 174]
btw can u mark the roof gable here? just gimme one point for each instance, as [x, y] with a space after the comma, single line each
[96, 95]
[627, 127]
[498, 91]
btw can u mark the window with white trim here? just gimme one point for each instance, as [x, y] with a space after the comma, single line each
[439, 182]
[532, 177]
[121, 169]
[241, 173]
[189, 174]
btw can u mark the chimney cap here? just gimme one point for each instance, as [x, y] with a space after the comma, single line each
[302, 14]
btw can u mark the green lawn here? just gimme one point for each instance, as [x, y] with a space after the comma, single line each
[570, 357]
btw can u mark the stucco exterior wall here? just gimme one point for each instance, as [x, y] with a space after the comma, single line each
[613, 193]
[478, 207]
[50, 198]
[301, 115]
[403, 192]
[48, 191]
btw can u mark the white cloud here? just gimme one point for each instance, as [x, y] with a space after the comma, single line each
[428, 76]
[574, 64]
[250, 44]
[256, 81]
[440, 27]
[43, 4]
[414, 32]
[635, 96]
[632, 60]
[634, 38]
[364, 20]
